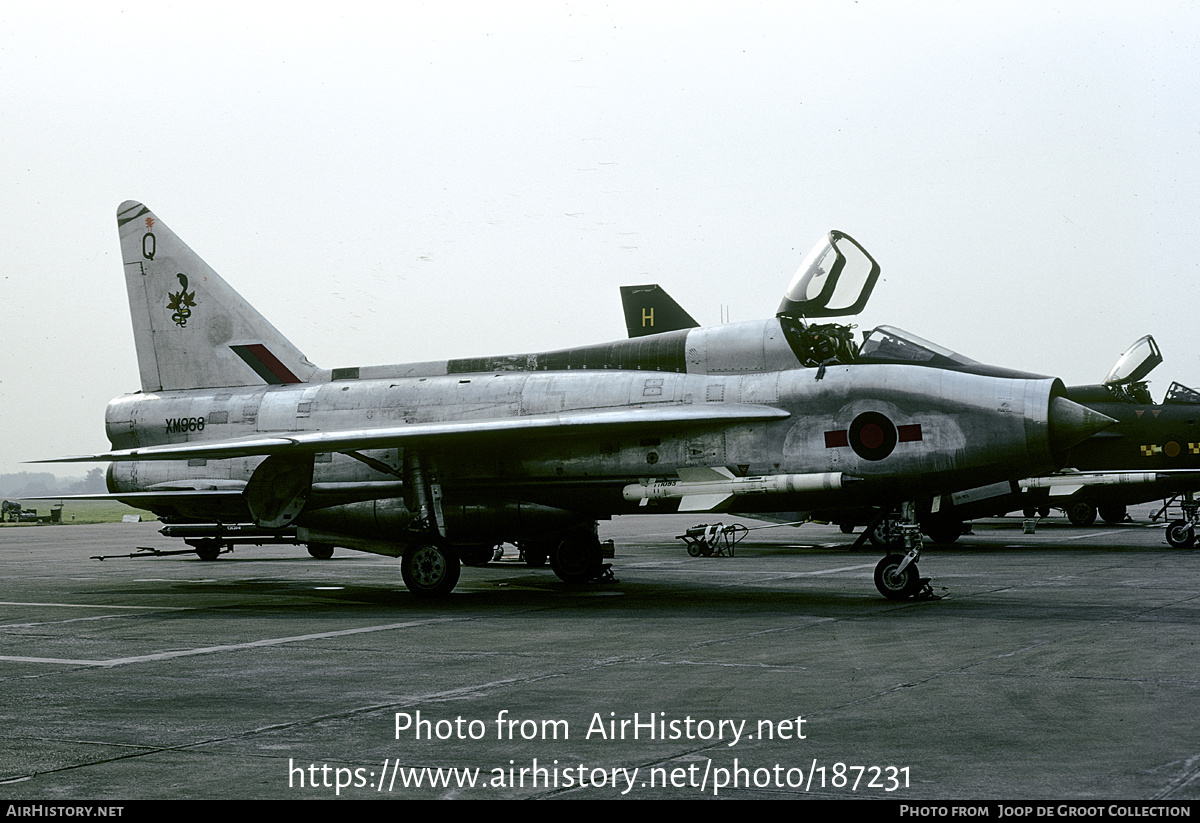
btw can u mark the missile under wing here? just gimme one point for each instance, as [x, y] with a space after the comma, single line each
[437, 462]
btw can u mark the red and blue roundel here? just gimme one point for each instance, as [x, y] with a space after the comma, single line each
[872, 436]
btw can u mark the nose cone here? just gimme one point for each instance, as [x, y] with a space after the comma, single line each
[1071, 423]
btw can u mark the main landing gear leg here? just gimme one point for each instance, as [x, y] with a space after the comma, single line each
[897, 576]
[430, 565]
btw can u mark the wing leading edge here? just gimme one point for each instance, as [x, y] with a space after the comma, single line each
[449, 433]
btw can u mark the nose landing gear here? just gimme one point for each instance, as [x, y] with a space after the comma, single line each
[896, 575]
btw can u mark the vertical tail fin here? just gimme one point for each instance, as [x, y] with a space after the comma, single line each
[191, 329]
[650, 310]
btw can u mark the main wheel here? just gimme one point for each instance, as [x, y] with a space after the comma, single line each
[944, 530]
[577, 558]
[886, 535]
[321, 551]
[1180, 534]
[1112, 512]
[897, 585]
[1081, 513]
[430, 570]
[476, 555]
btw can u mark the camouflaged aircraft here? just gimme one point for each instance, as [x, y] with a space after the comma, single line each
[1156, 446]
[236, 437]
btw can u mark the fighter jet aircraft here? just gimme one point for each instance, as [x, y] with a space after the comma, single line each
[1157, 445]
[236, 435]
[1151, 452]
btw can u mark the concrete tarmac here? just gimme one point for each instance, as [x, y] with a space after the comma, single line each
[1059, 665]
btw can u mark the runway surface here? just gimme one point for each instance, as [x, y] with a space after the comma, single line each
[1058, 665]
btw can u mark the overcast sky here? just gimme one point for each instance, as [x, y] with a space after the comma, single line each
[408, 181]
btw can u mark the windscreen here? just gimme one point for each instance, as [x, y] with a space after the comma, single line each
[888, 344]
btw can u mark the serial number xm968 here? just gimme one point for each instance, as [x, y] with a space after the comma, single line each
[184, 424]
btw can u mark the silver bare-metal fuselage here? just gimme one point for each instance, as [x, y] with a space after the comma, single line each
[962, 430]
[236, 431]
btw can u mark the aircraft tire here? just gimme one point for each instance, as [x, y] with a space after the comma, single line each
[209, 549]
[1180, 534]
[1112, 512]
[577, 558]
[479, 554]
[430, 569]
[944, 531]
[321, 551]
[1081, 513]
[897, 586]
[886, 535]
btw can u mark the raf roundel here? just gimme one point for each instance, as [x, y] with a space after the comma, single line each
[872, 436]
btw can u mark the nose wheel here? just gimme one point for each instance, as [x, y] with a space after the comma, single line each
[896, 576]
[1181, 534]
[897, 579]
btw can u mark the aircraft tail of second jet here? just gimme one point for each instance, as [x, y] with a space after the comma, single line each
[191, 329]
[650, 310]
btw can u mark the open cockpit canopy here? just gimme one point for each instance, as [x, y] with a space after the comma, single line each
[1125, 380]
[835, 280]
[1138, 361]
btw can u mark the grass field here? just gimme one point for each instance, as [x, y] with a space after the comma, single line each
[83, 511]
